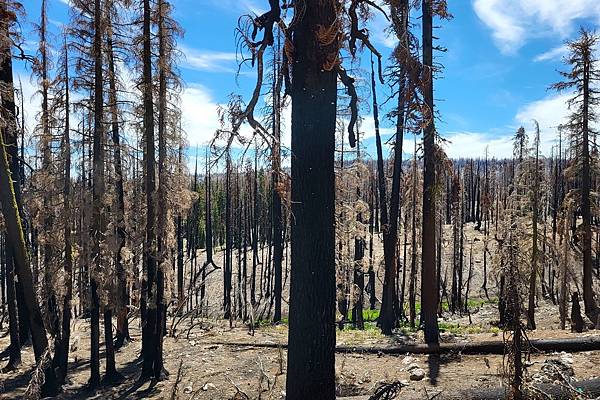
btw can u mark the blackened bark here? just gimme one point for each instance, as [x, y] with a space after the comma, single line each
[412, 298]
[160, 306]
[61, 352]
[276, 165]
[122, 334]
[14, 350]
[98, 223]
[228, 243]
[388, 313]
[149, 327]
[429, 294]
[534, 238]
[591, 308]
[12, 215]
[311, 351]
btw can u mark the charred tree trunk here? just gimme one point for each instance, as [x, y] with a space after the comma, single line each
[228, 243]
[388, 314]
[14, 348]
[276, 199]
[10, 200]
[412, 297]
[534, 237]
[591, 308]
[311, 351]
[429, 294]
[122, 334]
[61, 352]
[160, 305]
[98, 218]
[149, 323]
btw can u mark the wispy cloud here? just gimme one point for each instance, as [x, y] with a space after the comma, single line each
[552, 54]
[506, 31]
[207, 60]
[199, 113]
[475, 144]
[239, 6]
[511, 21]
[549, 112]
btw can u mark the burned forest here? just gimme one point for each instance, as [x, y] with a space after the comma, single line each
[299, 199]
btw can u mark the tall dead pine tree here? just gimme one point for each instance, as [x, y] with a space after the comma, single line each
[150, 325]
[63, 109]
[122, 334]
[429, 293]
[10, 202]
[582, 78]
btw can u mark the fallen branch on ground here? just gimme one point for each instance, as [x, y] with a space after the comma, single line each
[571, 345]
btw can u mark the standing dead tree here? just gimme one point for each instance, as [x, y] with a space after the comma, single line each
[10, 201]
[581, 78]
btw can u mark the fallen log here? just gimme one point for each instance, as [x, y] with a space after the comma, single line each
[570, 345]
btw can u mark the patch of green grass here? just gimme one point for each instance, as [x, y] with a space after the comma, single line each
[471, 303]
[495, 329]
[369, 327]
[368, 315]
[457, 329]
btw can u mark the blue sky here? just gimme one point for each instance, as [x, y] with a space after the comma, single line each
[502, 55]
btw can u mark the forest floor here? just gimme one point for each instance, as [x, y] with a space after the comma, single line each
[217, 362]
[209, 359]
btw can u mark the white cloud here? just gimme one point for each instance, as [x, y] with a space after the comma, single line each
[31, 100]
[201, 119]
[199, 112]
[506, 31]
[207, 60]
[239, 6]
[550, 112]
[367, 128]
[379, 28]
[553, 54]
[473, 144]
[511, 21]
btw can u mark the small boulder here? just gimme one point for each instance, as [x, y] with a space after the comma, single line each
[417, 374]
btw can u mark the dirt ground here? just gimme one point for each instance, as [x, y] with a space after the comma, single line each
[212, 368]
[208, 359]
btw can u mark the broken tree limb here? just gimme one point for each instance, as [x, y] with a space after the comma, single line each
[571, 345]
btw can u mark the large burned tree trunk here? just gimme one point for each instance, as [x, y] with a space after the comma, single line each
[98, 218]
[389, 305]
[12, 213]
[149, 315]
[61, 347]
[429, 293]
[122, 334]
[16, 318]
[276, 199]
[311, 353]
[591, 308]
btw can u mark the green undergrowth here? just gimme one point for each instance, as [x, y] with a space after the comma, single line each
[371, 329]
